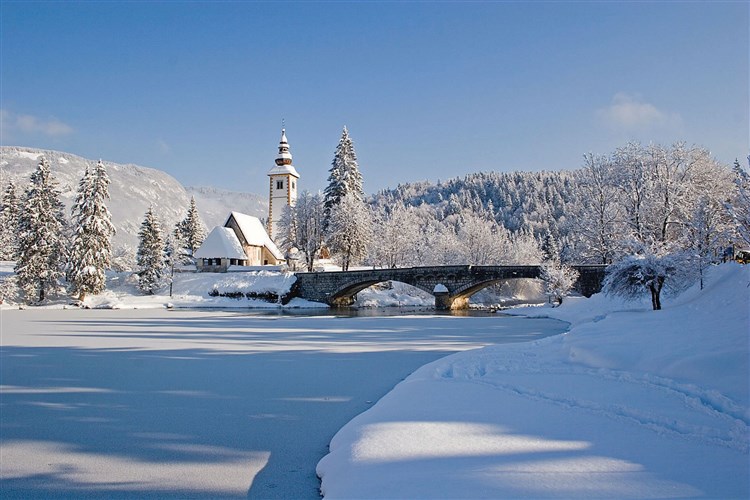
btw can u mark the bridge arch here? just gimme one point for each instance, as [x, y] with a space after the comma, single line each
[344, 296]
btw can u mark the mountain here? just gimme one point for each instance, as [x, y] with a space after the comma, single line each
[214, 204]
[132, 190]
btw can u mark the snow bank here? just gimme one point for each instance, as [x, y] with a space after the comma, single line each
[394, 294]
[630, 403]
[250, 289]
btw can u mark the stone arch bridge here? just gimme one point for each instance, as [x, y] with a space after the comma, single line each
[461, 282]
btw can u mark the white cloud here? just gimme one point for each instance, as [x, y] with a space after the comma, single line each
[163, 146]
[14, 124]
[631, 112]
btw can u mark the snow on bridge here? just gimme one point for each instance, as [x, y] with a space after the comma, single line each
[461, 282]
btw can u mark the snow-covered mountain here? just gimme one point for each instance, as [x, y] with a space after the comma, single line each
[132, 190]
[214, 204]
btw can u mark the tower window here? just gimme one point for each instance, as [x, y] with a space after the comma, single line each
[294, 184]
[279, 184]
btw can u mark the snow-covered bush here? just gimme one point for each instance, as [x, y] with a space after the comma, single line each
[558, 280]
[648, 272]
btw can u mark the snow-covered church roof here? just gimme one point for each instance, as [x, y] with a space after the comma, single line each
[254, 233]
[221, 242]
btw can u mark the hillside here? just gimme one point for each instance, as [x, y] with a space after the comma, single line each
[133, 188]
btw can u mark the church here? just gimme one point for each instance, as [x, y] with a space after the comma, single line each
[242, 241]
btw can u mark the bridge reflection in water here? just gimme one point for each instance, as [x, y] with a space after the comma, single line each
[339, 288]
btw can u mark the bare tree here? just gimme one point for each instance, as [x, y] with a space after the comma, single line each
[301, 227]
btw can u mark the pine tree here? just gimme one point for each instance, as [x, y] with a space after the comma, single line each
[41, 237]
[190, 232]
[150, 256]
[550, 248]
[344, 178]
[9, 212]
[91, 250]
[350, 228]
[170, 255]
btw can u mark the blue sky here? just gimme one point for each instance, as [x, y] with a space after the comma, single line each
[428, 90]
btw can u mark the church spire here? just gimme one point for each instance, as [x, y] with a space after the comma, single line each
[285, 157]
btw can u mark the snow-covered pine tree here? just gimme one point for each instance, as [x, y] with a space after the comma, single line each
[9, 211]
[344, 178]
[91, 250]
[550, 248]
[190, 233]
[150, 256]
[41, 236]
[170, 256]
[350, 228]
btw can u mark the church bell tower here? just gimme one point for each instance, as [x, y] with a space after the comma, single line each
[283, 186]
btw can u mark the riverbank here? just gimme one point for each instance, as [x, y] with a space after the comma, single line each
[630, 403]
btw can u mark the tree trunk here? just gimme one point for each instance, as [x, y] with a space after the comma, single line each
[655, 289]
[654, 302]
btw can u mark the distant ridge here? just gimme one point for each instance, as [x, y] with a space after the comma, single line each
[132, 190]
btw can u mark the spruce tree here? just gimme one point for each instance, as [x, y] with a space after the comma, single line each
[344, 178]
[9, 212]
[351, 231]
[190, 232]
[91, 250]
[150, 256]
[41, 237]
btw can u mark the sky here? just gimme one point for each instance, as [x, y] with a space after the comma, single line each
[427, 90]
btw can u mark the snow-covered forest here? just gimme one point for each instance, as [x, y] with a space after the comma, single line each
[657, 196]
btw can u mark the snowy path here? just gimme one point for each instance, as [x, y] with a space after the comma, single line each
[197, 404]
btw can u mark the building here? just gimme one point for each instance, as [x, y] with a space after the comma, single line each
[219, 250]
[242, 241]
[283, 186]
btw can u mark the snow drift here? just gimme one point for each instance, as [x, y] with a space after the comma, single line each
[630, 403]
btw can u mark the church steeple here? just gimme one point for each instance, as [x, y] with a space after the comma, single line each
[283, 185]
[285, 157]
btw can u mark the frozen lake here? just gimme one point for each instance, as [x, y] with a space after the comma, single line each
[156, 403]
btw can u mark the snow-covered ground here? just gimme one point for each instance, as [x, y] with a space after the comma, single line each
[190, 290]
[630, 403]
